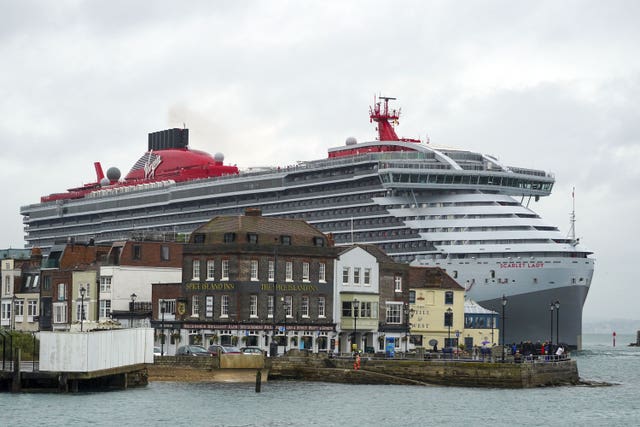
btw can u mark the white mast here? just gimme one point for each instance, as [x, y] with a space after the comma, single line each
[572, 219]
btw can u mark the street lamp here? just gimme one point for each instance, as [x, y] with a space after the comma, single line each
[286, 311]
[551, 306]
[449, 322]
[163, 308]
[82, 292]
[557, 304]
[407, 312]
[133, 302]
[504, 303]
[356, 309]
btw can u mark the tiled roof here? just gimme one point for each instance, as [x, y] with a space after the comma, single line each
[432, 277]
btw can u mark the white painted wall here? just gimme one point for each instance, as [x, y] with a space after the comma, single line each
[127, 280]
[96, 350]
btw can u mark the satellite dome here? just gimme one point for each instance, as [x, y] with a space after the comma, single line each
[218, 157]
[105, 181]
[351, 141]
[113, 174]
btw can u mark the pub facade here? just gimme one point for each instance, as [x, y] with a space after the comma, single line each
[252, 281]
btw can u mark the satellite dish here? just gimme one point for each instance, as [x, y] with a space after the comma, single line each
[433, 342]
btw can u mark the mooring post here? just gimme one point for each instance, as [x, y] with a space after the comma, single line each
[258, 381]
[16, 384]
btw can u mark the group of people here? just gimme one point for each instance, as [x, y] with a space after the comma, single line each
[529, 350]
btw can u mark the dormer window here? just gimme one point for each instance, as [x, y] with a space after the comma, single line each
[252, 238]
[198, 238]
[318, 241]
[285, 240]
[229, 237]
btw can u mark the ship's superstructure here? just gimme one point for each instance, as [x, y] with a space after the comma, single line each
[460, 210]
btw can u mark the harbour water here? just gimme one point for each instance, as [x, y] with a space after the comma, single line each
[322, 404]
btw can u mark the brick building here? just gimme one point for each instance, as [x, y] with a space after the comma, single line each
[247, 279]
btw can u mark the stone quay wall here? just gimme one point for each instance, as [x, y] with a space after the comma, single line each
[318, 367]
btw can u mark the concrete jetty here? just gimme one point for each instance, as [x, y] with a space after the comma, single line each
[449, 372]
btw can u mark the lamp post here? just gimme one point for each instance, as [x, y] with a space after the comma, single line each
[356, 309]
[557, 305]
[284, 308]
[133, 302]
[504, 303]
[273, 346]
[407, 313]
[82, 292]
[493, 323]
[449, 322]
[163, 308]
[551, 306]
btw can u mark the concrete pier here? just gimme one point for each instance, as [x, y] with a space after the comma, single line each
[464, 373]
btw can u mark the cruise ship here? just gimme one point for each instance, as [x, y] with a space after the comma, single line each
[460, 210]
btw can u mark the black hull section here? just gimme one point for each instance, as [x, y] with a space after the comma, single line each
[529, 318]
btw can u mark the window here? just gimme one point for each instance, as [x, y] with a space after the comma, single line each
[356, 275]
[6, 310]
[170, 306]
[229, 237]
[322, 272]
[304, 308]
[397, 280]
[285, 240]
[318, 241]
[224, 306]
[195, 268]
[347, 309]
[455, 274]
[164, 253]
[19, 307]
[254, 269]
[448, 297]
[195, 305]
[60, 312]
[345, 275]
[270, 306]
[253, 305]
[365, 309]
[394, 311]
[46, 283]
[252, 238]
[137, 252]
[305, 271]
[105, 308]
[289, 271]
[288, 305]
[7, 285]
[367, 276]
[62, 292]
[208, 306]
[448, 318]
[32, 308]
[211, 269]
[198, 238]
[272, 271]
[321, 306]
[225, 269]
[412, 297]
[105, 284]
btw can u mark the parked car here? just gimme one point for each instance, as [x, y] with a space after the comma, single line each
[252, 350]
[157, 351]
[217, 349]
[192, 350]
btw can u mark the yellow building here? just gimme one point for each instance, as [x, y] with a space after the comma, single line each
[437, 308]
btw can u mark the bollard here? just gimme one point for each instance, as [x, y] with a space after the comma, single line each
[258, 381]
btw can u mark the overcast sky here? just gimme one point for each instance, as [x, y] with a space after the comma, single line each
[553, 85]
